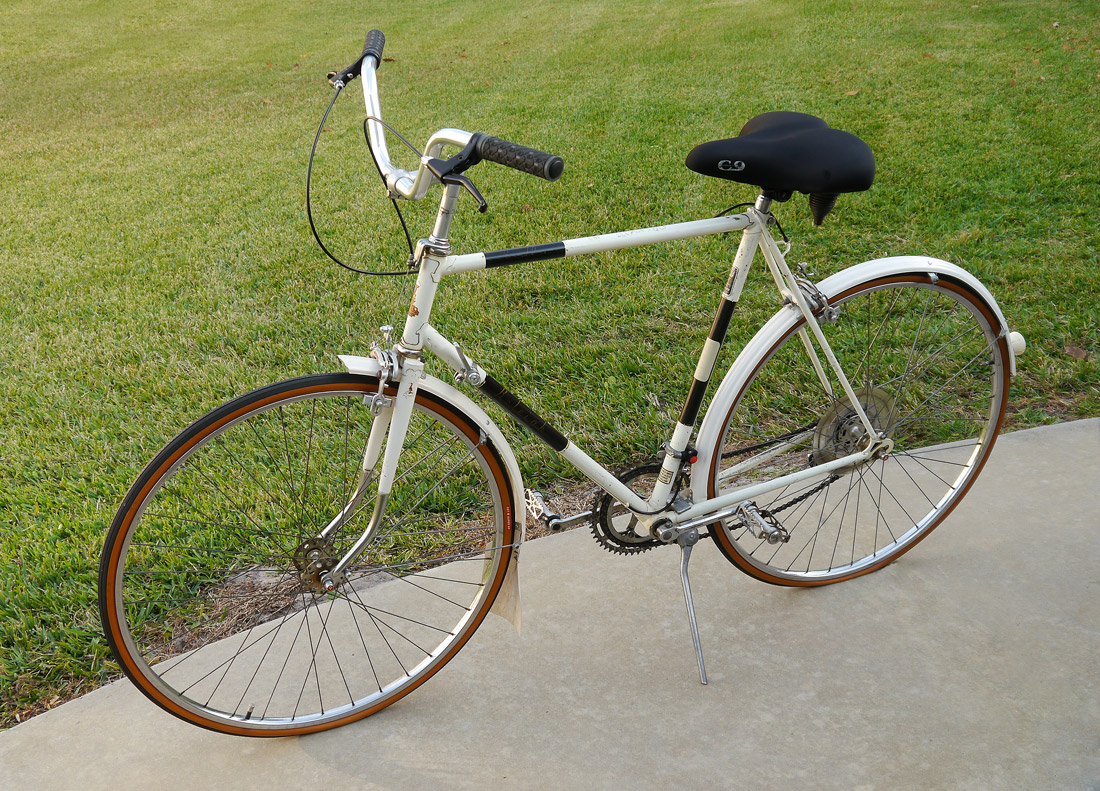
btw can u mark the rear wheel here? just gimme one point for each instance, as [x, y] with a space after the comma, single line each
[211, 581]
[924, 359]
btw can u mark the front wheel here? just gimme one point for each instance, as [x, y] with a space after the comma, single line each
[925, 360]
[212, 589]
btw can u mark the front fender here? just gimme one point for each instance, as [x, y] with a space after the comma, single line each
[507, 604]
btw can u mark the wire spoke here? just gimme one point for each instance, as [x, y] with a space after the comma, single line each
[220, 598]
[920, 345]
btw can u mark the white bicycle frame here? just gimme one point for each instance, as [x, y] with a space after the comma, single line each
[403, 365]
[419, 335]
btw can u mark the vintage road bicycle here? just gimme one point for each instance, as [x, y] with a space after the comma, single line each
[312, 551]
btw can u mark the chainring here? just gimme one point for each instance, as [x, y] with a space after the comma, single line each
[613, 524]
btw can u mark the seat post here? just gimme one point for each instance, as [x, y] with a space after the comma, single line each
[763, 203]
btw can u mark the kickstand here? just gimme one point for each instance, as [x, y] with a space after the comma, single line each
[687, 541]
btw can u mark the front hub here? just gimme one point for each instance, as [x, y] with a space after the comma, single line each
[314, 558]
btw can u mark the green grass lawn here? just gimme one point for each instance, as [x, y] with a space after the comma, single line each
[155, 259]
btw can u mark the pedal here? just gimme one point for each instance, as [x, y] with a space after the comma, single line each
[544, 510]
[762, 524]
[540, 509]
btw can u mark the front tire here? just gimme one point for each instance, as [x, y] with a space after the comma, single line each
[924, 357]
[210, 591]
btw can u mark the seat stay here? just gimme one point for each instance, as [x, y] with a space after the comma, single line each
[791, 292]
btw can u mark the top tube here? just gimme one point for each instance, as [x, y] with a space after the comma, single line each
[594, 244]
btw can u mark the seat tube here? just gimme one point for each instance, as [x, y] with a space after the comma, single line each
[746, 251]
[674, 452]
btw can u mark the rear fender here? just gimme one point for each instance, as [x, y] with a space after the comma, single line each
[782, 322]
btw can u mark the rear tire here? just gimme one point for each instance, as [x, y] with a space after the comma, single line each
[210, 591]
[923, 355]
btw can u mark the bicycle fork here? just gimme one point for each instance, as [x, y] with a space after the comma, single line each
[390, 427]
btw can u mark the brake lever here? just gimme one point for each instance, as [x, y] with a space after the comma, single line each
[338, 79]
[444, 171]
[465, 183]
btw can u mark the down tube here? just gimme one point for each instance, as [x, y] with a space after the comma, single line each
[541, 428]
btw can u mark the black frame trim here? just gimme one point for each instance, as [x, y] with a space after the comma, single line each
[523, 414]
[722, 320]
[694, 401]
[522, 255]
[698, 390]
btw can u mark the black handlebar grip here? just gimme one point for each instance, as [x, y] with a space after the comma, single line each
[529, 160]
[374, 45]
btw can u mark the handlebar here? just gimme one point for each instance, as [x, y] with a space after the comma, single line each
[524, 159]
[414, 185]
[374, 45]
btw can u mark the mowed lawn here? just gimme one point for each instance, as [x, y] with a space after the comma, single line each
[155, 258]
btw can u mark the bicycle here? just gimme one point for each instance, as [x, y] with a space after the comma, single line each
[310, 552]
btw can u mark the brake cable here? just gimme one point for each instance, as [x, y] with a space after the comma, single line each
[309, 207]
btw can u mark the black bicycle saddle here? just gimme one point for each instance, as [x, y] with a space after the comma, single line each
[784, 152]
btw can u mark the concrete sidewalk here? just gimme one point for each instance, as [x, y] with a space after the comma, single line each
[972, 663]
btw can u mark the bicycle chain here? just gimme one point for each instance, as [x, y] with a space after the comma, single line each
[765, 512]
[613, 541]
